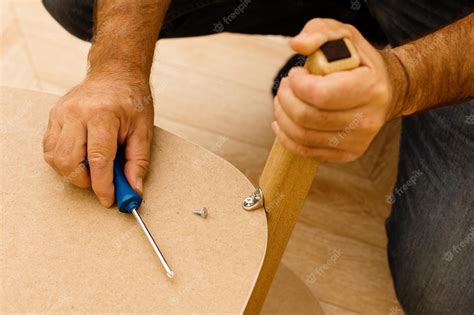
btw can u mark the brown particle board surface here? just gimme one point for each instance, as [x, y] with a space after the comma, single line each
[61, 251]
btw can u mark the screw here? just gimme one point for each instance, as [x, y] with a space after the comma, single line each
[249, 201]
[201, 212]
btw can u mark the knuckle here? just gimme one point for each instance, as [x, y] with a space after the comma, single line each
[53, 112]
[48, 158]
[98, 159]
[99, 107]
[302, 151]
[380, 90]
[62, 162]
[48, 141]
[370, 124]
[318, 22]
[143, 163]
[99, 113]
[69, 107]
[351, 28]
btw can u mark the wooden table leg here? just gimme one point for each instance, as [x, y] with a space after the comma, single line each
[287, 178]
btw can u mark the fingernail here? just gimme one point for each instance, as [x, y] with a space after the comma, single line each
[140, 184]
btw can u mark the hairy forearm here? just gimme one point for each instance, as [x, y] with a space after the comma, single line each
[125, 34]
[434, 70]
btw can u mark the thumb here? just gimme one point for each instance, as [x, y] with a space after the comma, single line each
[316, 33]
[137, 154]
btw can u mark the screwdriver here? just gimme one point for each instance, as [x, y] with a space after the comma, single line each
[128, 201]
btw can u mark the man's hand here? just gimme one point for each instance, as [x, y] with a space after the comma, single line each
[92, 119]
[333, 117]
[113, 106]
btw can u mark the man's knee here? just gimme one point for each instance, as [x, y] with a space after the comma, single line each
[431, 266]
[443, 289]
[431, 227]
[76, 16]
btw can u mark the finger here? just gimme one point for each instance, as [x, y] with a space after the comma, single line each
[137, 153]
[297, 70]
[319, 31]
[320, 154]
[316, 33]
[336, 91]
[317, 138]
[50, 139]
[308, 116]
[70, 152]
[101, 149]
[299, 134]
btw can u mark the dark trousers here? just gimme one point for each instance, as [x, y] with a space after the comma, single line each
[431, 227]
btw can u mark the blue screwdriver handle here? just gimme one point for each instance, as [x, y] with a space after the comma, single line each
[127, 198]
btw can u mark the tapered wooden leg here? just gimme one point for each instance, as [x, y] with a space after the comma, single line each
[285, 181]
[287, 178]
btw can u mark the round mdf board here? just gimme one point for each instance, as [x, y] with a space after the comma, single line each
[62, 251]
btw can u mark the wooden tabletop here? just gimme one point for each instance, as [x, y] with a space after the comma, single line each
[61, 251]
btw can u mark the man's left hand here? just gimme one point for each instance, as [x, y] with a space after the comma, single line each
[334, 117]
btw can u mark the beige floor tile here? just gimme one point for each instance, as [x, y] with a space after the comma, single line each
[59, 58]
[15, 59]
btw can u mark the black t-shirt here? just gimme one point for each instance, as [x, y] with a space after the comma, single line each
[405, 20]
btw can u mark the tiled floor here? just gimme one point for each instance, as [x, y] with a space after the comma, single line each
[214, 91]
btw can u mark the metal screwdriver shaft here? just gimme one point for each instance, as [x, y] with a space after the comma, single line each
[165, 265]
[128, 201]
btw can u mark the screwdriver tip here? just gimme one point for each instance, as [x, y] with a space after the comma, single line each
[170, 274]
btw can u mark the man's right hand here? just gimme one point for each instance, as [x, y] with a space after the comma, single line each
[90, 121]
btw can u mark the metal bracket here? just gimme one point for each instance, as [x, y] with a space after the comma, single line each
[254, 201]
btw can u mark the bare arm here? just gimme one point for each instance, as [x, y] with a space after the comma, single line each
[436, 69]
[125, 33]
[113, 105]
